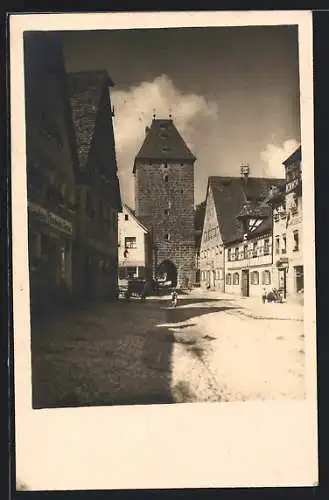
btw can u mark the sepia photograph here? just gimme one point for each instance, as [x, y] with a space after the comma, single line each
[165, 215]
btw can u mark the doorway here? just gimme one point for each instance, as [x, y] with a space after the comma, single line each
[245, 283]
[299, 279]
[283, 282]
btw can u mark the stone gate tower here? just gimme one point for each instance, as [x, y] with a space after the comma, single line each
[164, 200]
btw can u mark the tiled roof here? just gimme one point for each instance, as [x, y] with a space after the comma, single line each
[86, 90]
[230, 196]
[164, 142]
[295, 156]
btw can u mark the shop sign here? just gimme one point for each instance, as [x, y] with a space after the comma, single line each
[292, 185]
[51, 219]
[284, 262]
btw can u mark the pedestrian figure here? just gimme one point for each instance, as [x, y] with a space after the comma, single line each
[145, 290]
[174, 298]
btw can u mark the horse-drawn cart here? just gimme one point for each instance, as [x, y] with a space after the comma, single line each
[131, 287]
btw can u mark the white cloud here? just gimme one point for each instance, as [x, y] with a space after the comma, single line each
[214, 138]
[274, 155]
[194, 116]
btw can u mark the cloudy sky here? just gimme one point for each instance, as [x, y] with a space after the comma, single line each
[233, 93]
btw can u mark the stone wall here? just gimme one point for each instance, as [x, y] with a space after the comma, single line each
[164, 195]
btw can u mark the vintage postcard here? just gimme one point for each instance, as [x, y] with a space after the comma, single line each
[163, 250]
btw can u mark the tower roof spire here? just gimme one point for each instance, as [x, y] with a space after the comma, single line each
[163, 142]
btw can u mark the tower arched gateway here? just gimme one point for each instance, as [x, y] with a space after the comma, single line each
[164, 197]
[167, 271]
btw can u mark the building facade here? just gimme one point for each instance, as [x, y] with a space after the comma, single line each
[95, 251]
[50, 173]
[287, 209]
[249, 265]
[294, 204]
[135, 251]
[277, 201]
[211, 259]
[164, 200]
[236, 254]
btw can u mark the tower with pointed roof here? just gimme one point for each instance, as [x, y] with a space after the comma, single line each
[164, 200]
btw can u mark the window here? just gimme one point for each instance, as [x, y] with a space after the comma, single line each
[245, 252]
[228, 279]
[166, 178]
[235, 278]
[166, 211]
[63, 262]
[254, 249]
[126, 217]
[130, 242]
[266, 278]
[296, 241]
[217, 249]
[266, 247]
[284, 244]
[229, 254]
[255, 278]
[219, 274]
[182, 191]
[236, 253]
[167, 236]
[277, 244]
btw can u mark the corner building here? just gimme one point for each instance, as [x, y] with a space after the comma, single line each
[164, 200]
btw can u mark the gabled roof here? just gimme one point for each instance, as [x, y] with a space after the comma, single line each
[164, 142]
[230, 196]
[132, 214]
[86, 90]
[295, 156]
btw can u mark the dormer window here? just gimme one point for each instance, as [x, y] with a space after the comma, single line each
[126, 217]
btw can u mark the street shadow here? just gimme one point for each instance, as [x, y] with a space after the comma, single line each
[113, 356]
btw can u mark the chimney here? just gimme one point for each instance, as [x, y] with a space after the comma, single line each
[244, 171]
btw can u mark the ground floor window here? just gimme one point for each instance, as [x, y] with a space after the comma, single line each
[255, 278]
[219, 274]
[228, 279]
[235, 278]
[266, 278]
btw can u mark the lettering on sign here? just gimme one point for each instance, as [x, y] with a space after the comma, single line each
[290, 186]
[51, 219]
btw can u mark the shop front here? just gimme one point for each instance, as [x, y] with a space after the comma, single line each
[282, 269]
[50, 259]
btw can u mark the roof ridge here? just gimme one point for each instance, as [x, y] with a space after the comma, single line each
[132, 212]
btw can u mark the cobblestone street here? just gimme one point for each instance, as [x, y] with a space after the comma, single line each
[209, 348]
